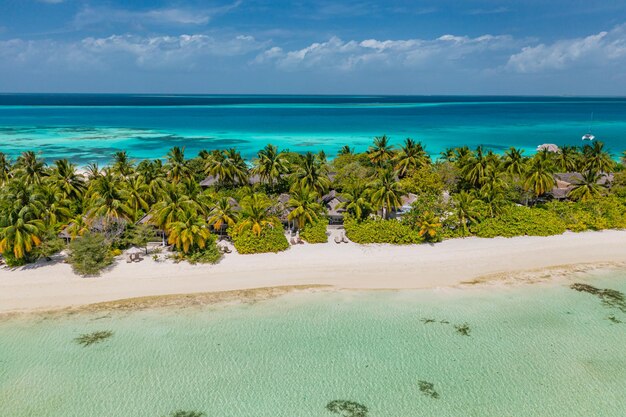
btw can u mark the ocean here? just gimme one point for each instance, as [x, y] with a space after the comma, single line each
[90, 128]
[533, 350]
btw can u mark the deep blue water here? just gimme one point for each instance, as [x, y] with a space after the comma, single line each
[85, 127]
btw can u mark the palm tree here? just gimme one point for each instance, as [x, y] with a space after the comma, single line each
[345, 150]
[93, 171]
[429, 225]
[412, 156]
[567, 159]
[494, 199]
[381, 151]
[109, 199]
[172, 206]
[5, 168]
[55, 205]
[77, 226]
[466, 208]
[178, 169]
[189, 232]
[21, 236]
[65, 178]
[311, 174]
[386, 192]
[475, 167]
[448, 155]
[514, 162]
[305, 207]
[222, 214]
[271, 165]
[137, 192]
[31, 168]
[358, 199]
[255, 215]
[595, 158]
[539, 177]
[588, 187]
[122, 165]
[228, 166]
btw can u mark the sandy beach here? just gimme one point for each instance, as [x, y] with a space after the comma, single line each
[54, 286]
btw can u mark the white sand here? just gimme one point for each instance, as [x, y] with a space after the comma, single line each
[341, 265]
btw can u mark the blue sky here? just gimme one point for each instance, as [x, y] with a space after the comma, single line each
[324, 47]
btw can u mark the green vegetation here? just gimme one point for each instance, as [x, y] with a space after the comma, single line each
[381, 231]
[270, 239]
[347, 408]
[90, 254]
[93, 338]
[462, 329]
[315, 232]
[463, 192]
[428, 389]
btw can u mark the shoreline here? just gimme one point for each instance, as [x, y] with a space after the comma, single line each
[453, 263]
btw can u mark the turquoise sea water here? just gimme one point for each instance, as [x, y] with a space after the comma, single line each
[87, 128]
[532, 350]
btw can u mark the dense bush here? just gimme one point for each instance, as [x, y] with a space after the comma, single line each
[210, 254]
[90, 254]
[598, 214]
[272, 239]
[316, 232]
[380, 231]
[521, 221]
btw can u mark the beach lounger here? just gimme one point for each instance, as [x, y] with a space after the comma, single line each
[337, 239]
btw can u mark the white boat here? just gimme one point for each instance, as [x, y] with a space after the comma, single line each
[588, 136]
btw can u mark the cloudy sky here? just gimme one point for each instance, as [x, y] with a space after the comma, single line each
[564, 47]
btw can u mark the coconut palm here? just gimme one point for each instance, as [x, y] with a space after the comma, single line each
[93, 171]
[5, 169]
[77, 226]
[270, 165]
[255, 214]
[381, 151]
[222, 214]
[228, 166]
[514, 163]
[65, 178]
[172, 206]
[305, 207]
[358, 199]
[466, 209]
[189, 232]
[137, 193]
[567, 159]
[122, 165]
[177, 167]
[428, 226]
[386, 192]
[30, 168]
[412, 156]
[595, 158]
[54, 205]
[345, 150]
[21, 235]
[447, 155]
[588, 187]
[311, 174]
[539, 176]
[109, 199]
[474, 167]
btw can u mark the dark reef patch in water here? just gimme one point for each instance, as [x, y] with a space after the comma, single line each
[428, 389]
[462, 329]
[608, 297]
[89, 339]
[347, 408]
[614, 319]
[182, 413]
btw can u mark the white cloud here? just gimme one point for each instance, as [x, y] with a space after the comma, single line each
[89, 16]
[593, 50]
[349, 55]
[183, 51]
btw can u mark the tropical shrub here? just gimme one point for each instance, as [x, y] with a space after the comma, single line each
[380, 231]
[210, 254]
[271, 239]
[597, 214]
[315, 232]
[90, 254]
[521, 221]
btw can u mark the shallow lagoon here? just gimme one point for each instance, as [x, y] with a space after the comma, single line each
[531, 350]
